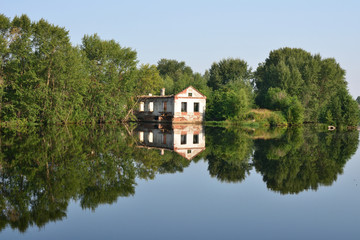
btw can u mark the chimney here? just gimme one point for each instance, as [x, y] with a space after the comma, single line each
[163, 92]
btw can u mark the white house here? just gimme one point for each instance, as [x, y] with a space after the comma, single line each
[188, 106]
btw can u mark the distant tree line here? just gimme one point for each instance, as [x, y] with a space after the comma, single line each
[43, 78]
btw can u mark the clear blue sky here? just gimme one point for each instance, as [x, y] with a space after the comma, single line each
[202, 32]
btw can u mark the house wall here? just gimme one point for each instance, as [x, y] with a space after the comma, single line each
[190, 115]
[158, 109]
[173, 110]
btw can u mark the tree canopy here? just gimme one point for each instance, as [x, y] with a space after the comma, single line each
[316, 83]
[45, 79]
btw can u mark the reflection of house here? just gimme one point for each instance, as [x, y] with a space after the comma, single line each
[188, 140]
[186, 106]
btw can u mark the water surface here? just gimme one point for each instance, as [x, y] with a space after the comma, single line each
[164, 182]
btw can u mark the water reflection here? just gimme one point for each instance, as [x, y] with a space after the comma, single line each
[41, 170]
[303, 158]
[188, 140]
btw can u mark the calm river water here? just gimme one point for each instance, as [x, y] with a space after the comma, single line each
[179, 182]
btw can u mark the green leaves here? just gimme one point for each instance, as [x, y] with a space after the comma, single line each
[314, 81]
[229, 70]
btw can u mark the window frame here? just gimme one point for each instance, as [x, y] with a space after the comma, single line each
[142, 107]
[183, 139]
[196, 137]
[183, 106]
[196, 109]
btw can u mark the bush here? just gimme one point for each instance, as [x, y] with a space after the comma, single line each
[277, 99]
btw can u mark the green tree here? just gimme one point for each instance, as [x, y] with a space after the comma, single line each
[313, 80]
[277, 99]
[113, 78]
[177, 76]
[228, 104]
[227, 71]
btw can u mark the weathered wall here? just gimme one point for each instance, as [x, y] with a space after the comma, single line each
[190, 115]
[173, 107]
[158, 109]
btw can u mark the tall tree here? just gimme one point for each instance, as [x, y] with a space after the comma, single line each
[113, 77]
[229, 70]
[177, 76]
[313, 80]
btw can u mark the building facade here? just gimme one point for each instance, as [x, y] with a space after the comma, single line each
[188, 106]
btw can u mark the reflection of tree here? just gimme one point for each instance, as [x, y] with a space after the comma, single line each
[42, 170]
[303, 159]
[228, 154]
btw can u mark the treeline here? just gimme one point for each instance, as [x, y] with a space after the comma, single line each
[43, 78]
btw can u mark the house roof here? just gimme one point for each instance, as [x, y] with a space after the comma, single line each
[183, 91]
[171, 96]
[156, 96]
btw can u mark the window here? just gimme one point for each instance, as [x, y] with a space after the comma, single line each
[196, 107]
[151, 137]
[190, 94]
[151, 106]
[164, 138]
[142, 106]
[141, 136]
[165, 106]
[183, 139]
[183, 107]
[196, 139]
[189, 151]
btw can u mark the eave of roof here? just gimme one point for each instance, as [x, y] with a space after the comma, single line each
[156, 96]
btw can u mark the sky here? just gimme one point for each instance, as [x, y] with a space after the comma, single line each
[206, 31]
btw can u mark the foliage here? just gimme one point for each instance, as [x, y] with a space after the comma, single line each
[177, 76]
[232, 94]
[112, 70]
[313, 80]
[227, 71]
[228, 104]
[43, 78]
[292, 109]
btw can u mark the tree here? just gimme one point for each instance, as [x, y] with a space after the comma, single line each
[313, 80]
[228, 104]
[229, 70]
[113, 78]
[177, 76]
[277, 99]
